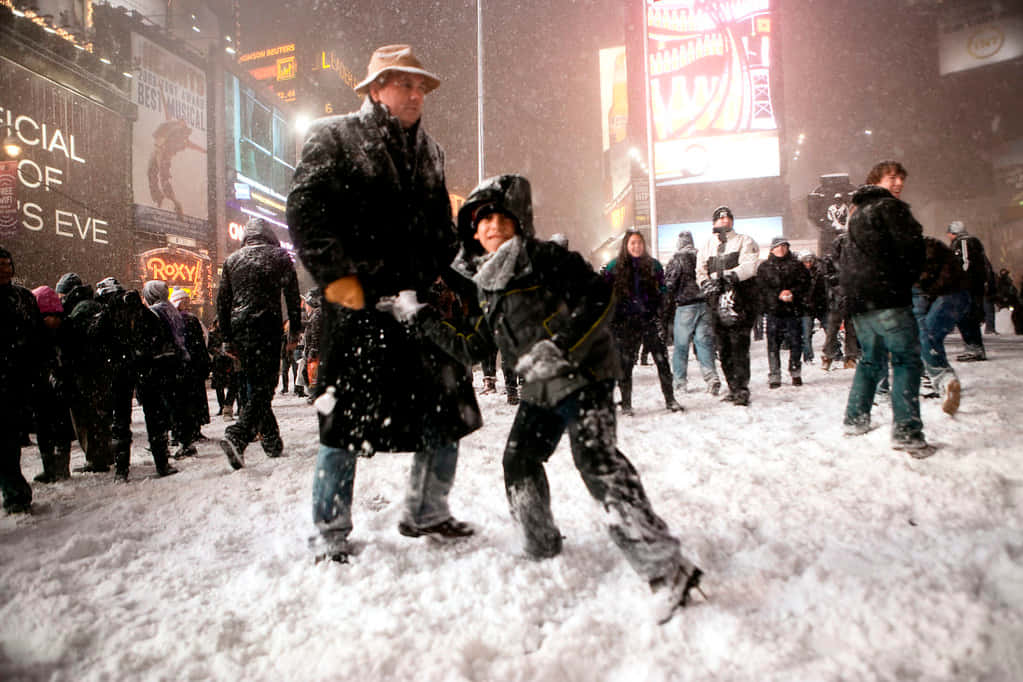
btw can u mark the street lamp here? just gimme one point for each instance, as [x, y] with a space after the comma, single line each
[11, 145]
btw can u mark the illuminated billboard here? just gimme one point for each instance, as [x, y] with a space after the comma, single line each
[761, 229]
[614, 107]
[709, 69]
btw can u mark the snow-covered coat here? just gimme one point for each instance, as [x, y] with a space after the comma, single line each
[369, 199]
[740, 259]
[252, 281]
[942, 271]
[883, 253]
[530, 291]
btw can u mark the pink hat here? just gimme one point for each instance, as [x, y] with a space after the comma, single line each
[48, 300]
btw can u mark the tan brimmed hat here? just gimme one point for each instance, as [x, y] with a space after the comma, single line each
[395, 58]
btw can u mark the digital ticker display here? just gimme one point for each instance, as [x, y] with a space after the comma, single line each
[712, 111]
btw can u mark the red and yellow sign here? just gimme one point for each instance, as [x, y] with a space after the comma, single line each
[181, 270]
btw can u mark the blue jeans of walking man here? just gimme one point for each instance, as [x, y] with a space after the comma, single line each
[426, 500]
[894, 331]
[693, 325]
[936, 318]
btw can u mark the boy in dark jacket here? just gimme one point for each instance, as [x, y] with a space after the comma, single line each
[880, 262]
[548, 312]
[784, 284]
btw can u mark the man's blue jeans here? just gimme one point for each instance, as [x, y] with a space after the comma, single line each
[693, 325]
[891, 330]
[936, 318]
[807, 321]
[426, 500]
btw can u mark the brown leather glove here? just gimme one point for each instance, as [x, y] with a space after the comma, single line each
[347, 292]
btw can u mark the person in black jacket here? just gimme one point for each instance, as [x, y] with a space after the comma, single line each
[371, 217]
[87, 341]
[52, 415]
[941, 299]
[21, 338]
[191, 402]
[784, 284]
[880, 262]
[816, 308]
[637, 280]
[974, 262]
[548, 312]
[249, 309]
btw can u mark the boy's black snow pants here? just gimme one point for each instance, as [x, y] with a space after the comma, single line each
[610, 478]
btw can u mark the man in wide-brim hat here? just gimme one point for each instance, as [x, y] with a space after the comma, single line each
[370, 215]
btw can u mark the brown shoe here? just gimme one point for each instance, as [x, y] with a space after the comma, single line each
[850, 363]
[826, 364]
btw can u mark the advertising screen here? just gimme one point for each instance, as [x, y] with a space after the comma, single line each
[69, 187]
[712, 110]
[169, 165]
[976, 33]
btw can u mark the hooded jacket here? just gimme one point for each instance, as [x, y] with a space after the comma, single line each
[251, 283]
[680, 273]
[529, 291]
[883, 252]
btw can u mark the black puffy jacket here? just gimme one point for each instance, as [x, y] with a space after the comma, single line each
[883, 253]
[251, 284]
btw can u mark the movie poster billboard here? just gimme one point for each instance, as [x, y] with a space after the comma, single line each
[169, 173]
[712, 108]
[69, 189]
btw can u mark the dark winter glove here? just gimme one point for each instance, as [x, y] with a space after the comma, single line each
[405, 306]
[730, 279]
[543, 361]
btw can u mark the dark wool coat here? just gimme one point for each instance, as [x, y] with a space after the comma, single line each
[542, 292]
[774, 276]
[369, 199]
[883, 253]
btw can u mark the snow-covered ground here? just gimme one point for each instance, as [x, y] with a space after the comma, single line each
[826, 558]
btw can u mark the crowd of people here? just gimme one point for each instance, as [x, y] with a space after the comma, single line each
[406, 304]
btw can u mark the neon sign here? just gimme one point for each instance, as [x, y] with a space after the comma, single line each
[180, 269]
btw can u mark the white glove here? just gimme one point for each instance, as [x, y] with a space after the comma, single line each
[543, 361]
[405, 306]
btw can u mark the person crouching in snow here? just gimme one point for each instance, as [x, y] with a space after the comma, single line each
[548, 311]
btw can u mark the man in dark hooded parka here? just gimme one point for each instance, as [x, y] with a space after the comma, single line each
[249, 310]
[21, 337]
[371, 217]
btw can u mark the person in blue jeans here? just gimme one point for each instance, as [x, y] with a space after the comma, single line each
[689, 317]
[881, 260]
[941, 300]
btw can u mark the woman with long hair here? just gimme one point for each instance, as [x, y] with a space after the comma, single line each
[638, 282]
